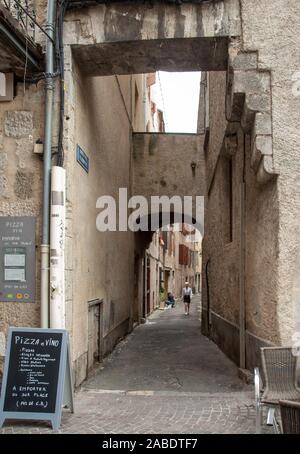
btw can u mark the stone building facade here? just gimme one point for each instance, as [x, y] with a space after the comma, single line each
[251, 223]
[171, 260]
[243, 160]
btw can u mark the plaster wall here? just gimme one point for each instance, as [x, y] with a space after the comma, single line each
[21, 125]
[276, 37]
[101, 264]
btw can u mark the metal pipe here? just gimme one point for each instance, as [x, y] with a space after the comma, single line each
[242, 279]
[145, 100]
[49, 88]
[57, 246]
[242, 324]
[208, 299]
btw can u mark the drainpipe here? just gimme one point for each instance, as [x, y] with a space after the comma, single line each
[45, 246]
[242, 280]
[57, 245]
[243, 263]
[145, 100]
[207, 299]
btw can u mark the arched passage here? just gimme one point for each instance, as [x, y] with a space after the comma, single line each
[181, 238]
[101, 40]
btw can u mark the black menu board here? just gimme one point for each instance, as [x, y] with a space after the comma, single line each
[34, 375]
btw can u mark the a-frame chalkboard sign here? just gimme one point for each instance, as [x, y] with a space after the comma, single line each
[37, 379]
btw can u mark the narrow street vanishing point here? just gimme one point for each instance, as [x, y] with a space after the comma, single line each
[187, 387]
[149, 165]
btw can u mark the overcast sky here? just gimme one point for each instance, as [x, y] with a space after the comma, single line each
[180, 98]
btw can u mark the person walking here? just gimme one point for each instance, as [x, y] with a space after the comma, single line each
[187, 297]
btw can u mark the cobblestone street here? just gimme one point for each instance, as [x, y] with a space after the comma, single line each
[163, 378]
[149, 163]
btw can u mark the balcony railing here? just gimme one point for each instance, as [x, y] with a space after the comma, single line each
[24, 12]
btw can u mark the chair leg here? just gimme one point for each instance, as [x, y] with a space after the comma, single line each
[258, 418]
[277, 428]
[270, 417]
[262, 415]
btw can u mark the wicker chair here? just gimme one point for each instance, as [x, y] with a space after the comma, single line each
[279, 368]
[290, 416]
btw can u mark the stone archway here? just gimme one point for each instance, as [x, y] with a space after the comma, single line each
[137, 37]
[133, 38]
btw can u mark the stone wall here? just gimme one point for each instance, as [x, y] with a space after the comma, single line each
[21, 125]
[100, 264]
[226, 268]
[168, 165]
[217, 121]
[106, 39]
[272, 208]
[276, 37]
[222, 246]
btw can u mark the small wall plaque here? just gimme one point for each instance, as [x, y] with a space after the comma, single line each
[82, 158]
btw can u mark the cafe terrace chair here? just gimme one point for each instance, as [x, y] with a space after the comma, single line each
[290, 416]
[280, 383]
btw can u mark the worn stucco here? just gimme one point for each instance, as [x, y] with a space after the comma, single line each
[217, 123]
[259, 94]
[271, 202]
[221, 245]
[168, 165]
[21, 124]
[95, 270]
[107, 39]
[276, 38]
[223, 252]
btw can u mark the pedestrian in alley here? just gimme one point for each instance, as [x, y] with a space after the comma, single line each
[187, 297]
[170, 301]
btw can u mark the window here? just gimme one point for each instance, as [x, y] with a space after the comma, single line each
[184, 255]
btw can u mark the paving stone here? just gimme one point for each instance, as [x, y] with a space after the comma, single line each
[200, 406]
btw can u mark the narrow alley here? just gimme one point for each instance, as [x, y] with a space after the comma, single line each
[148, 164]
[165, 377]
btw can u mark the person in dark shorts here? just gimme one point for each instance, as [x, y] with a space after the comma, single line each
[170, 301]
[187, 298]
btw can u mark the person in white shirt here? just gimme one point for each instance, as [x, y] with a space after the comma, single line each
[187, 297]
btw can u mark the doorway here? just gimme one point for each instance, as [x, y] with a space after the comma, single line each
[95, 333]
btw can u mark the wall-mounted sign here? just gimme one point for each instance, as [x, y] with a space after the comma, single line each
[37, 375]
[82, 158]
[17, 259]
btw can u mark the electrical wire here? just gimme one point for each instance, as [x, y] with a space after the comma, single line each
[41, 76]
[124, 103]
[63, 4]
[32, 18]
[162, 99]
[25, 68]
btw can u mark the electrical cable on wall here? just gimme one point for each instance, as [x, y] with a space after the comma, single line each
[19, 5]
[25, 68]
[162, 99]
[124, 103]
[61, 70]
[87, 3]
